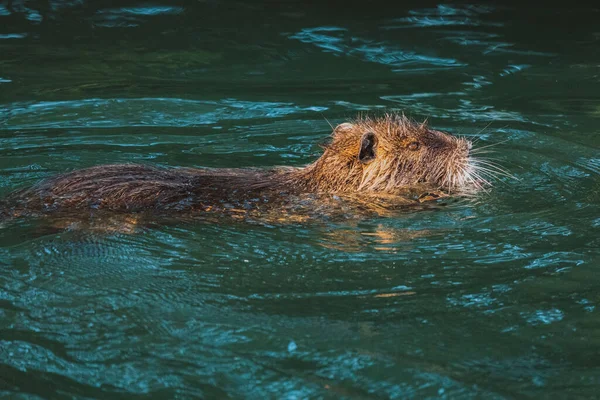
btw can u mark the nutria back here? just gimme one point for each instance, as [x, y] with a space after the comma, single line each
[137, 187]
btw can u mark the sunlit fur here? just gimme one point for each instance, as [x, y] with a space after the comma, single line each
[441, 160]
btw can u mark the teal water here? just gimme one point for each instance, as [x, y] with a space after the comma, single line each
[491, 298]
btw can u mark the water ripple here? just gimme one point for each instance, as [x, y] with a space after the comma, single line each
[13, 35]
[338, 41]
[110, 113]
[446, 15]
[130, 17]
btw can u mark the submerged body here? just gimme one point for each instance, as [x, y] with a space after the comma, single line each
[369, 158]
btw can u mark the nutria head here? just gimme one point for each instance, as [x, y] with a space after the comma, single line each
[389, 153]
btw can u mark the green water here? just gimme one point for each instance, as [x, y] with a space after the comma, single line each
[491, 298]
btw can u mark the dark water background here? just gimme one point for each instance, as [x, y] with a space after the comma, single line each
[495, 298]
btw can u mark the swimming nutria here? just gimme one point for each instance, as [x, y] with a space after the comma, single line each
[370, 156]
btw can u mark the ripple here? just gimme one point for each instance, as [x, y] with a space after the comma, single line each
[471, 38]
[131, 17]
[110, 113]
[502, 47]
[590, 164]
[464, 109]
[154, 10]
[513, 69]
[336, 40]
[453, 16]
[544, 317]
[478, 82]
[477, 300]
[554, 260]
[13, 35]
[445, 15]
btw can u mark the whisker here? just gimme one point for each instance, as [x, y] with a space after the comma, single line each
[479, 135]
[501, 181]
[491, 145]
[475, 174]
[491, 174]
[493, 166]
[482, 178]
[326, 120]
[487, 162]
[467, 180]
[474, 179]
[492, 160]
[487, 126]
[488, 151]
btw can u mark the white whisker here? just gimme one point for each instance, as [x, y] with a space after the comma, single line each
[481, 164]
[490, 145]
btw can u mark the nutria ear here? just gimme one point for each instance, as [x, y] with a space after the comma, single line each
[345, 127]
[368, 142]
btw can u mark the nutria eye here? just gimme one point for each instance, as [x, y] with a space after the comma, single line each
[414, 146]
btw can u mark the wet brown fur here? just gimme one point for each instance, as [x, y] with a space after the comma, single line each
[439, 160]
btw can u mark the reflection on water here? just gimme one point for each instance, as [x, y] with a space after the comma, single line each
[492, 297]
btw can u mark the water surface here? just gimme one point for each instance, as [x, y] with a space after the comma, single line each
[490, 298]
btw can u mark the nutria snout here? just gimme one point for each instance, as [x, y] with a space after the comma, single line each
[368, 156]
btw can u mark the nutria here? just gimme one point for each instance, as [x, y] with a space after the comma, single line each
[368, 157]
